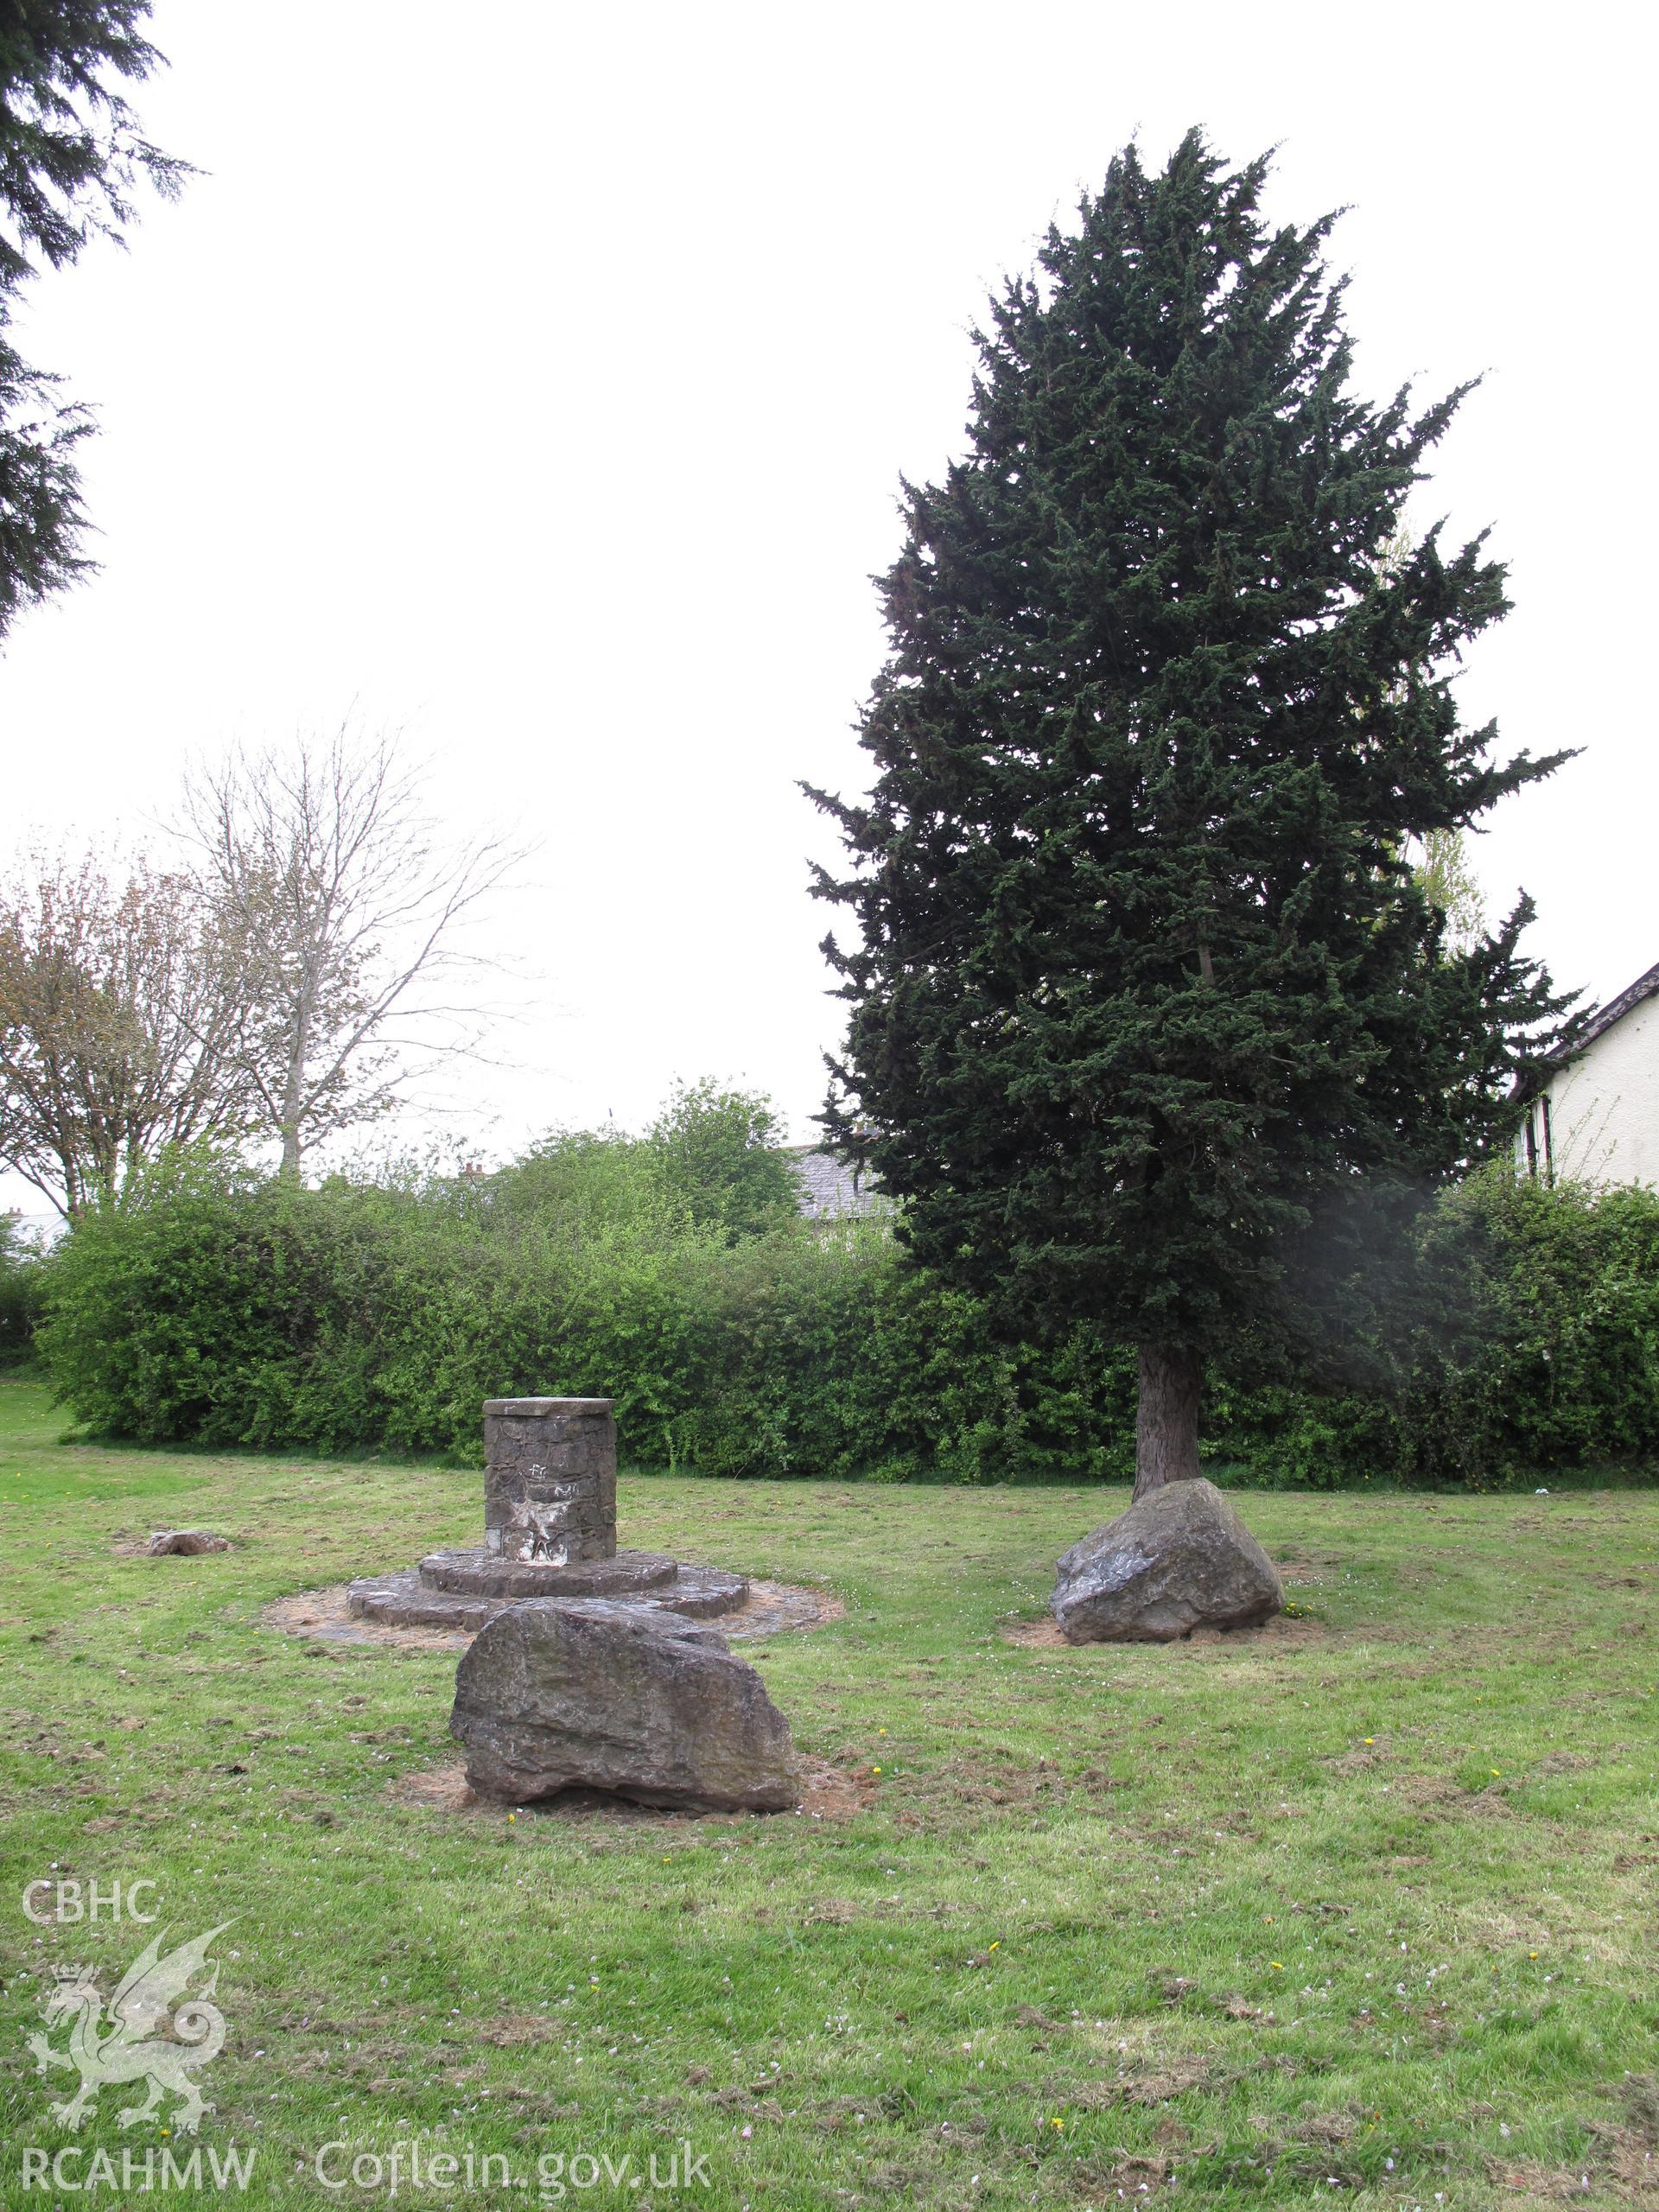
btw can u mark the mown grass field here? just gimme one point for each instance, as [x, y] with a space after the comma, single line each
[1363, 1909]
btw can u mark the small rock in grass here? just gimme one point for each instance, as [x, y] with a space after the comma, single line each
[1179, 1559]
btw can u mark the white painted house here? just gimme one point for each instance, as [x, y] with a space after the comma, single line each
[1594, 1111]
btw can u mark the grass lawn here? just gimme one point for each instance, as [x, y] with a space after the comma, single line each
[1365, 1907]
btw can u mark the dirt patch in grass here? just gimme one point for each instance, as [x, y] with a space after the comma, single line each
[1620, 2166]
[1280, 1632]
[986, 1780]
[1163, 2079]
[326, 1616]
[1040, 1636]
[1157, 2085]
[1358, 1761]
[1539, 2184]
[1625, 2158]
[828, 1794]
[439, 1790]
[1131, 2173]
[1430, 1793]
[1433, 1796]
[1331, 2130]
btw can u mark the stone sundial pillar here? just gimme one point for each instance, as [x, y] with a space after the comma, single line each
[549, 1533]
[550, 1484]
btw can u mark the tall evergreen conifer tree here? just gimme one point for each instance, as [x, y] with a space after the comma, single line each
[1146, 1000]
[71, 156]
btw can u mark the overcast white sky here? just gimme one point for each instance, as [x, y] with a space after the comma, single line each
[539, 377]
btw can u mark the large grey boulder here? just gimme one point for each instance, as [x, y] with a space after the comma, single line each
[1179, 1559]
[560, 1693]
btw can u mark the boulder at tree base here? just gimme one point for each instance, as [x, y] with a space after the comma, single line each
[1179, 1559]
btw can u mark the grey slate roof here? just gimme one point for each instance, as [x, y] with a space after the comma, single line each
[1531, 1080]
[1614, 1010]
[830, 1189]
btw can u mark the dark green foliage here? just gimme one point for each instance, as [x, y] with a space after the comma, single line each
[71, 156]
[1527, 1340]
[710, 1164]
[225, 1309]
[1144, 989]
[71, 151]
[42, 519]
[718, 1152]
[22, 1283]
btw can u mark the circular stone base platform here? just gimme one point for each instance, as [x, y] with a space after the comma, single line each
[410, 1600]
[480, 1573]
[325, 1617]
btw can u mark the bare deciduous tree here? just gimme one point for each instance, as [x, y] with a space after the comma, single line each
[331, 882]
[119, 1024]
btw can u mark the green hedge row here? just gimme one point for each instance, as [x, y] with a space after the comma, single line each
[240, 1311]
[22, 1289]
[220, 1308]
[1523, 1339]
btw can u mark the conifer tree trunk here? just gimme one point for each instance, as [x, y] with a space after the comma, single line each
[1166, 1417]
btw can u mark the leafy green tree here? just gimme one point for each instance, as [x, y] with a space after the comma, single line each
[1448, 880]
[1147, 1006]
[598, 1188]
[718, 1152]
[71, 157]
[21, 1274]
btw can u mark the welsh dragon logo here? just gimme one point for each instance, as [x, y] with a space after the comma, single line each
[131, 2049]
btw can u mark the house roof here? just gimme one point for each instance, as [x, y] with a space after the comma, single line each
[831, 1187]
[1602, 1020]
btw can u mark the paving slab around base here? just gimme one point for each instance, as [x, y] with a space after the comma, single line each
[482, 1573]
[329, 1617]
[410, 1598]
